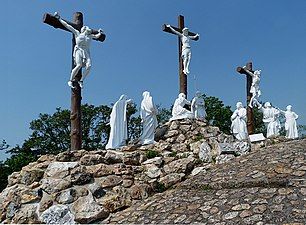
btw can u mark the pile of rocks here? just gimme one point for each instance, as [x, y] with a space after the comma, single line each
[85, 187]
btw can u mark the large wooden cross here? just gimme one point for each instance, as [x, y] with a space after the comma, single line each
[182, 76]
[250, 114]
[76, 95]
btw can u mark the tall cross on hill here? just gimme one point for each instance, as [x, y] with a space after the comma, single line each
[76, 75]
[250, 114]
[187, 54]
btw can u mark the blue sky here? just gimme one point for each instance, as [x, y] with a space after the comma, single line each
[138, 56]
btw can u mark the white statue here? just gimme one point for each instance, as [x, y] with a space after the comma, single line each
[239, 127]
[178, 110]
[81, 51]
[186, 52]
[118, 123]
[148, 114]
[290, 124]
[198, 106]
[255, 91]
[271, 119]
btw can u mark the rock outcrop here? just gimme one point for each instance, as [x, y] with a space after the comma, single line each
[92, 186]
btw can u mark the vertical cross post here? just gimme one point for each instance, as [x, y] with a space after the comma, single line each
[250, 114]
[182, 76]
[76, 96]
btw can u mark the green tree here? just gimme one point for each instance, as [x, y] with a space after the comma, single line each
[218, 114]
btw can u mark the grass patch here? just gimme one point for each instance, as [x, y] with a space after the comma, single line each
[151, 154]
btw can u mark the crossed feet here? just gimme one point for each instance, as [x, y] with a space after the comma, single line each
[70, 84]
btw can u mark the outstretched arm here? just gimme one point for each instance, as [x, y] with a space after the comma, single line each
[65, 24]
[194, 37]
[249, 72]
[97, 36]
[174, 31]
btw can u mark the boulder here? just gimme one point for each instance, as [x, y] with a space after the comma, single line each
[205, 152]
[60, 169]
[57, 214]
[171, 179]
[184, 165]
[87, 210]
[153, 171]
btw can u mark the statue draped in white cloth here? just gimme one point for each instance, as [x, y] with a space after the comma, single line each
[255, 91]
[148, 114]
[118, 123]
[239, 127]
[81, 52]
[178, 110]
[186, 49]
[270, 118]
[290, 124]
[198, 106]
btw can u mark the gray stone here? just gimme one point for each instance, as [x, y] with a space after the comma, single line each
[54, 185]
[60, 169]
[93, 159]
[156, 161]
[184, 165]
[109, 181]
[152, 171]
[96, 190]
[198, 170]
[112, 156]
[205, 152]
[67, 196]
[86, 210]
[224, 158]
[171, 179]
[57, 214]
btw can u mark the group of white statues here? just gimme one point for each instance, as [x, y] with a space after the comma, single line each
[148, 112]
[270, 118]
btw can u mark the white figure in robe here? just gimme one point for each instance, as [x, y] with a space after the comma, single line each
[198, 106]
[239, 127]
[290, 124]
[178, 110]
[270, 118]
[148, 114]
[118, 123]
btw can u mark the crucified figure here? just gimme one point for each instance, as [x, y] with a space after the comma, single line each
[81, 51]
[186, 49]
[254, 90]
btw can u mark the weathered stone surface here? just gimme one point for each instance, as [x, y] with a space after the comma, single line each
[258, 188]
[100, 170]
[60, 169]
[54, 185]
[171, 179]
[26, 214]
[119, 198]
[86, 210]
[198, 170]
[57, 214]
[109, 181]
[113, 156]
[67, 196]
[153, 171]
[80, 176]
[96, 190]
[94, 159]
[29, 176]
[205, 152]
[180, 166]
[156, 161]
[140, 191]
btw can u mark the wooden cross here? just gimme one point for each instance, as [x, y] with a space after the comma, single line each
[182, 76]
[76, 95]
[250, 114]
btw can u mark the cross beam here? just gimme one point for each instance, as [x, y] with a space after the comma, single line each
[76, 95]
[250, 114]
[182, 76]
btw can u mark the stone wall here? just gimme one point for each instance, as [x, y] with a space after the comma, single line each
[86, 187]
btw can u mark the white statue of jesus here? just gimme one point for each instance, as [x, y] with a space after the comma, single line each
[255, 91]
[186, 49]
[178, 110]
[81, 51]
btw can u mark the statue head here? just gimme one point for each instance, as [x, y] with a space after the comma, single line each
[86, 30]
[239, 105]
[185, 31]
[267, 105]
[198, 94]
[182, 95]
[145, 94]
[123, 98]
[289, 108]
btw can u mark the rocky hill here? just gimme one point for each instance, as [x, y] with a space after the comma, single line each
[194, 173]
